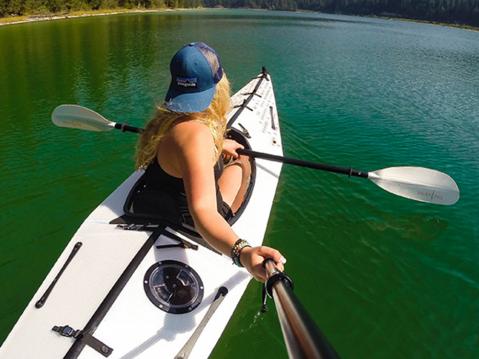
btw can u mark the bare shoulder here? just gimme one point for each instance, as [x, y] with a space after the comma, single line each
[189, 127]
[192, 135]
[186, 144]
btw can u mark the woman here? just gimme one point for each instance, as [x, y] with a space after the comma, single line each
[181, 149]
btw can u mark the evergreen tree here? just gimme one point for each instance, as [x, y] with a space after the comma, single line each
[15, 7]
[459, 11]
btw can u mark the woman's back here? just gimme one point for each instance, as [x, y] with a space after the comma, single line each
[162, 192]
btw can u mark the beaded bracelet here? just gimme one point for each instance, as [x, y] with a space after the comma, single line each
[239, 245]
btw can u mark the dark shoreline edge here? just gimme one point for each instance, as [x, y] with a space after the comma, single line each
[13, 20]
[104, 12]
[422, 21]
[393, 17]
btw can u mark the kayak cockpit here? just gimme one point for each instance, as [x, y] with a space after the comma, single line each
[132, 217]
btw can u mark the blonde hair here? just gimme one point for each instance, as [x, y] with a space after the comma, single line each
[214, 117]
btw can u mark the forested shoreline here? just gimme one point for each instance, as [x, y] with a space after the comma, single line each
[447, 11]
[461, 12]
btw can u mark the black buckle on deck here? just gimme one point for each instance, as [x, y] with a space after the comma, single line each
[66, 331]
[87, 339]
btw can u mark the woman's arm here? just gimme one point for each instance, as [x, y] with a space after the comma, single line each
[195, 160]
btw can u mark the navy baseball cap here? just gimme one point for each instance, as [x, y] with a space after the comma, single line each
[195, 71]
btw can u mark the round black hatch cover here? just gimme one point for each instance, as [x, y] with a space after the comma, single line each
[173, 286]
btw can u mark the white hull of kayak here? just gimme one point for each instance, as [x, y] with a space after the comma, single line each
[134, 327]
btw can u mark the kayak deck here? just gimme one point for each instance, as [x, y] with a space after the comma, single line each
[133, 326]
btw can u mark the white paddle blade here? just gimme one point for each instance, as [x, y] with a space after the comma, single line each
[74, 116]
[417, 183]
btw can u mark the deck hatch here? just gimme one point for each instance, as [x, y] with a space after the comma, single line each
[173, 286]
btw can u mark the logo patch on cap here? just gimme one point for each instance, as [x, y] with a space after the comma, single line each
[187, 81]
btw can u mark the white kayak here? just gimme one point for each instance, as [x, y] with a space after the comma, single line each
[137, 290]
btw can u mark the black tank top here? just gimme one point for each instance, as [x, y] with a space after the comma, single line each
[162, 195]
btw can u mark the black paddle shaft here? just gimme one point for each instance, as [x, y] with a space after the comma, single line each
[276, 158]
[127, 128]
[302, 163]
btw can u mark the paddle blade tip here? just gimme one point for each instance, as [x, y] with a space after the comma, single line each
[418, 183]
[79, 117]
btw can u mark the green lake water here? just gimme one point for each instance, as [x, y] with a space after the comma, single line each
[384, 277]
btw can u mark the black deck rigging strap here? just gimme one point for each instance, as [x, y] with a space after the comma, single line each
[263, 76]
[45, 295]
[182, 243]
[273, 126]
[110, 298]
